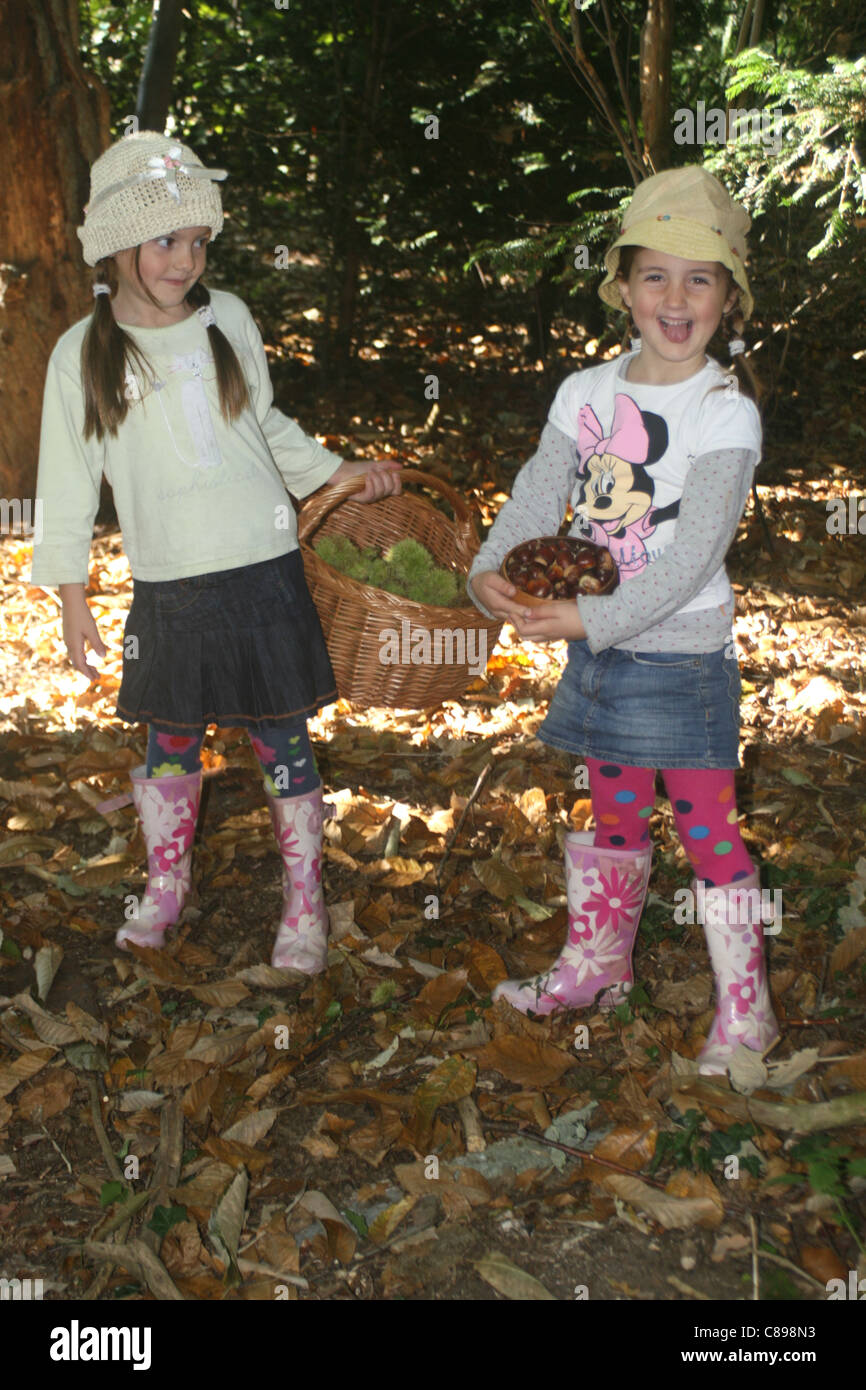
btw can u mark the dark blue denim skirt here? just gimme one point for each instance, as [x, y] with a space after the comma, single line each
[242, 648]
[647, 709]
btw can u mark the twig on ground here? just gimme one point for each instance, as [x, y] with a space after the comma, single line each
[482, 778]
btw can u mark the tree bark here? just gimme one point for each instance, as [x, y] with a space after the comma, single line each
[53, 123]
[157, 73]
[656, 51]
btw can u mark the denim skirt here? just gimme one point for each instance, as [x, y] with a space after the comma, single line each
[241, 647]
[647, 709]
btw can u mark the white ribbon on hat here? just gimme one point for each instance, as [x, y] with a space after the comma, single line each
[160, 167]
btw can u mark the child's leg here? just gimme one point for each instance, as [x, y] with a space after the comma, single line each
[705, 810]
[166, 793]
[622, 803]
[286, 758]
[294, 791]
[169, 755]
[606, 882]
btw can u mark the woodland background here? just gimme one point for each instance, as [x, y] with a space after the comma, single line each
[260, 1165]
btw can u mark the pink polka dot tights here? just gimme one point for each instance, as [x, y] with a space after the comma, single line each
[704, 806]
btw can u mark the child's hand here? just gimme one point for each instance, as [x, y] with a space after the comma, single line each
[80, 630]
[497, 595]
[558, 621]
[382, 478]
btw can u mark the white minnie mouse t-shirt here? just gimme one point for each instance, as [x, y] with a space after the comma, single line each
[635, 445]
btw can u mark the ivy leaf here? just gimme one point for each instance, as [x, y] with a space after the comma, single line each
[164, 1218]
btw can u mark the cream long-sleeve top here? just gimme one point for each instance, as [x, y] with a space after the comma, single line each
[194, 492]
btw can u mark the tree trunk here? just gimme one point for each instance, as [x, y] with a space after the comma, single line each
[353, 168]
[157, 73]
[53, 123]
[656, 49]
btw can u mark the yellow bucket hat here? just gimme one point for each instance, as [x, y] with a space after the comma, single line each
[687, 213]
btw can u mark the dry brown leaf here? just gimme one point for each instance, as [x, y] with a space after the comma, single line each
[672, 1213]
[94, 1030]
[460, 1189]
[205, 1187]
[50, 1097]
[46, 1027]
[252, 1128]
[221, 1048]
[222, 994]
[450, 1081]
[525, 1060]
[157, 965]
[822, 1263]
[499, 879]
[266, 1083]
[386, 1223]
[438, 993]
[174, 1068]
[851, 1069]
[320, 1146]
[182, 1252]
[511, 1281]
[849, 949]
[486, 966]
[13, 1073]
[373, 1141]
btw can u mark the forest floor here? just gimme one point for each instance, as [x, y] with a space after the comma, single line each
[190, 1122]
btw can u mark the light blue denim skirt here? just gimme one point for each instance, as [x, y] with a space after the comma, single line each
[647, 709]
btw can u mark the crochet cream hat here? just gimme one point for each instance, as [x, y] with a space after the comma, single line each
[146, 186]
[688, 213]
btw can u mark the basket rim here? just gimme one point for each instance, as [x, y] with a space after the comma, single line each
[362, 590]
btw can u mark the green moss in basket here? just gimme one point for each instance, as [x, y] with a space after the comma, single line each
[406, 569]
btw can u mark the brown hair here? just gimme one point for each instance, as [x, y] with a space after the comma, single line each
[731, 326]
[108, 352]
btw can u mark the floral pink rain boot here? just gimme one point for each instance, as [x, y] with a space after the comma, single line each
[606, 889]
[744, 1012]
[167, 808]
[302, 938]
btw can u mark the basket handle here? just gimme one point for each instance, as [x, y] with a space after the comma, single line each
[314, 511]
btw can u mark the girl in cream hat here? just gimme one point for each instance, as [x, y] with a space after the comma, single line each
[164, 388]
[655, 450]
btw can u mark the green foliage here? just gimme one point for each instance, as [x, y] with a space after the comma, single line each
[406, 569]
[813, 159]
[688, 1146]
[829, 1169]
[164, 1218]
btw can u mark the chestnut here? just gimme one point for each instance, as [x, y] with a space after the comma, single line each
[539, 588]
[589, 584]
[606, 564]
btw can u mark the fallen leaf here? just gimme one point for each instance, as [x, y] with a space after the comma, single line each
[511, 1281]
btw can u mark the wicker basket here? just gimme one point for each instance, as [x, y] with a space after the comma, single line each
[386, 649]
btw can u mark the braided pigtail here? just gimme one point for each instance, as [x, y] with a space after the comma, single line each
[731, 330]
[107, 353]
[231, 382]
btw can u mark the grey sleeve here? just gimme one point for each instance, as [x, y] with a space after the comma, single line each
[537, 504]
[715, 492]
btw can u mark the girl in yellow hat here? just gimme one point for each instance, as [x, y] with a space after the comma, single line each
[655, 450]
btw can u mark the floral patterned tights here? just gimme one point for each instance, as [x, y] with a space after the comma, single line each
[284, 753]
